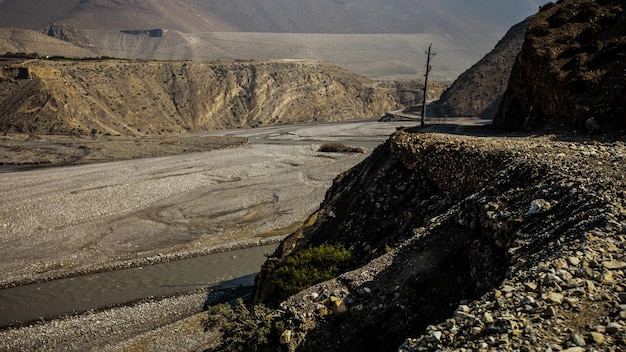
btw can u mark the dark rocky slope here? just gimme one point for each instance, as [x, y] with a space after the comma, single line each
[479, 90]
[571, 71]
[515, 244]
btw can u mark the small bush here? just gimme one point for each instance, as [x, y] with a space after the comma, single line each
[309, 267]
[243, 329]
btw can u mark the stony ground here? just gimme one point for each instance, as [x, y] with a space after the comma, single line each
[564, 286]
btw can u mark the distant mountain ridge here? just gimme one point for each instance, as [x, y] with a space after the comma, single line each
[296, 16]
[379, 40]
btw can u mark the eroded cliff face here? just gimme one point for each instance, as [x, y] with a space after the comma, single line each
[571, 70]
[464, 242]
[126, 97]
[479, 90]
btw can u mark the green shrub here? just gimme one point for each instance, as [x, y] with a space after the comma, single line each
[309, 267]
[243, 329]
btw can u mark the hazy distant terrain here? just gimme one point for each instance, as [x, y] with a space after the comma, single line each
[380, 40]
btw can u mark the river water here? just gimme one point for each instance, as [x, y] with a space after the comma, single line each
[79, 294]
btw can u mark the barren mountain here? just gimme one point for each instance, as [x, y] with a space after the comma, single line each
[328, 16]
[379, 40]
[479, 90]
[124, 97]
[110, 15]
[27, 41]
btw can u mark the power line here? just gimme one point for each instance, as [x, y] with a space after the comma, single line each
[428, 68]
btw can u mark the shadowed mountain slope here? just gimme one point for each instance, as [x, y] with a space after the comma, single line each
[571, 70]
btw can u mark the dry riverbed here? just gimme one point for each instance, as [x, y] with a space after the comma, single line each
[92, 215]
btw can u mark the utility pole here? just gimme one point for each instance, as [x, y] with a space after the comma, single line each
[428, 68]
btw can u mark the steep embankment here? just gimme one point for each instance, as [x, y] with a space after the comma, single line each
[571, 70]
[125, 97]
[479, 90]
[465, 242]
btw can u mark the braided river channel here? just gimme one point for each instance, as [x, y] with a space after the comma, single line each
[66, 296]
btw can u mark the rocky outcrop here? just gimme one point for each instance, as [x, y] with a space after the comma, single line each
[69, 34]
[570, 72]
[479, 90]
[466, 243]
[126, 97]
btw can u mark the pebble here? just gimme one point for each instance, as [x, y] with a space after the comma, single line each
[539, 206]
[597, 337]
[613, 328]
[578, 340]
[553, 297]
[614, 265]
[487, 318]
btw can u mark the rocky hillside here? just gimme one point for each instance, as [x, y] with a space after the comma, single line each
[571, 70]
[479, 90]
[129, 97]
[463, 243]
